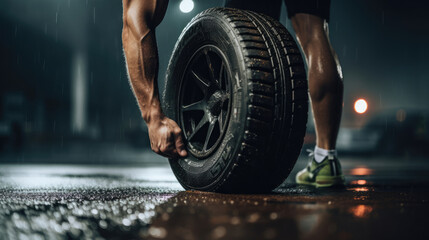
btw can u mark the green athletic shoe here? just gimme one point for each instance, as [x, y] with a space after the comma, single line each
[325, 174]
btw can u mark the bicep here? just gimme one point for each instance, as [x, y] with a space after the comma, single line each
[142, 16]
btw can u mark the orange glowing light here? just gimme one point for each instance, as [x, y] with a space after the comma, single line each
[360, 189]
[361, 106]
[361, 182]
[361, 171]
[361, 211]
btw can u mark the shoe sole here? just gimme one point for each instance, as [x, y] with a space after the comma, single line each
[324, 181]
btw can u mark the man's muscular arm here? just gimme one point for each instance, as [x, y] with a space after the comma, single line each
[141, 17]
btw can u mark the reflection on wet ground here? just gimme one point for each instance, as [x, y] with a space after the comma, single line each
[381, 200]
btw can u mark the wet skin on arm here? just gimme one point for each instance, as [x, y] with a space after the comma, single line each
[140, 19]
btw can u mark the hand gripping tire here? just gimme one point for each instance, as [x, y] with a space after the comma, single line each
[236, 85]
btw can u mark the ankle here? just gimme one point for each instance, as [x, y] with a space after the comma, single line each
[321, 153]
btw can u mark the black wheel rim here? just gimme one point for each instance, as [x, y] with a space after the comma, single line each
[205, 100]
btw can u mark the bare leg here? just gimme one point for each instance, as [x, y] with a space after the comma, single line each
[324, 75]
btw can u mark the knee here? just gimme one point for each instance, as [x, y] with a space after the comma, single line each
[309, 29]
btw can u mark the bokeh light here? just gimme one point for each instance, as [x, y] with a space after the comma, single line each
[361, 106]
[186, 6]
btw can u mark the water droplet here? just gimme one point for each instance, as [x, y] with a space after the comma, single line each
[273, 216]
[126, 222]
[219, 232]
[253, 217]
[157, 232]
[165, 216]
[103, 224]
[235, 220]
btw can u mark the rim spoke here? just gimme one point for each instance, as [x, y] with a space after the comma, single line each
[192, 124]
[221, 75]
[220, 120]
[225, 96]
[226, 81]
[211, 70]
[194, 106]
[209, 134]
[200, 82]
[204, 108]
[202, 122]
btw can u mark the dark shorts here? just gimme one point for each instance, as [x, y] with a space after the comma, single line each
[272, 7]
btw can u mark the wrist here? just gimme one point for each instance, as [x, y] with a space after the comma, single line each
[154, 114]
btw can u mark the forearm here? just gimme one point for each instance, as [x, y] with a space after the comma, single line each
[142, 64]
[141, 17]
[139, 42]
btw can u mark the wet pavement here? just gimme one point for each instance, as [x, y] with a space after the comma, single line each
[383, 198]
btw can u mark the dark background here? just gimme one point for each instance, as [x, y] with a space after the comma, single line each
[64, 87]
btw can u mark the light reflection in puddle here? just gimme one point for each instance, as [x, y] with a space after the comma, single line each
[361, 211]
[359, 182]
[359, 189]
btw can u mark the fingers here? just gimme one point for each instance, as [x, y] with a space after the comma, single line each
[166, 150]
[180, 145]
[167, 140]
[157, 151]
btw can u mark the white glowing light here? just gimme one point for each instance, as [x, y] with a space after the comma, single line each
[186, 6]
[361, 106]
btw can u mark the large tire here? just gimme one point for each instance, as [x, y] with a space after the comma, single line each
[239, 78]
